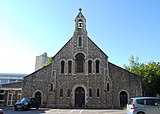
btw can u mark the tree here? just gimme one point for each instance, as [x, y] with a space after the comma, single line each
[150, 73]
[49, 61]
[134, 65]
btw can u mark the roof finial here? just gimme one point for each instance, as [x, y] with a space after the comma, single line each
[80, 9]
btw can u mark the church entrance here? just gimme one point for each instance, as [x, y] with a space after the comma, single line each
[79, 97]
[38, 96]
[123, 99]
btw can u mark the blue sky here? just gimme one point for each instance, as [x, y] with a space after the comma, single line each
[121, 28]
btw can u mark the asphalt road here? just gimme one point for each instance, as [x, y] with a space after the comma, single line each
[64, 111]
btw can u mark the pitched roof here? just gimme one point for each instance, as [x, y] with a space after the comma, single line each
[80, 15]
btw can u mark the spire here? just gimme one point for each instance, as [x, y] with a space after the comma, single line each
[80, 23]
[80, 15]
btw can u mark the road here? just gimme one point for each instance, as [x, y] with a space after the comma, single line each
[64, 111]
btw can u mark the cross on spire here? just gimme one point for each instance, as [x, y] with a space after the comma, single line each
[80, 9]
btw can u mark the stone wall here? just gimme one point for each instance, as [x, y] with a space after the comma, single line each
[117, 78]
[38, 81]
[122, 80]
[67, 80]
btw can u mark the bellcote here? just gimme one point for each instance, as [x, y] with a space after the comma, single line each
[80, 24]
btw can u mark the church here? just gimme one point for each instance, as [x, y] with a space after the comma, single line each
[81, 76]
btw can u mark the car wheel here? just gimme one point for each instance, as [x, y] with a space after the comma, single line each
[37, 107]
[16, 109]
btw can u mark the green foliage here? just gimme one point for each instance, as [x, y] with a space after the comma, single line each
[134, 65]
[158, 95]
[150, 73]
[125, 108]
[49, 61]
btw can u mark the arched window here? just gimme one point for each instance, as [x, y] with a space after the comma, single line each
[68, 93]
[79, 63]
[108, 89]
[61, 92]
[80, 41]
[97, 92]
[80, 24]
[90, 92]
[97, 66]
[62, 66]
[69, 66]
[89, 66]
[51, 88]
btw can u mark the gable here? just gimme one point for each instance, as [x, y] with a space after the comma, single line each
[71, 47]
[118, 72]
[80, 42]
[96, 47]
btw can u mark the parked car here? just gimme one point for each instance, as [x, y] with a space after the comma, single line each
[143, 105]
[26, 104]
[1, 111]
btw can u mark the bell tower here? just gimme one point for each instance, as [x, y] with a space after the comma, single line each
[80, 24]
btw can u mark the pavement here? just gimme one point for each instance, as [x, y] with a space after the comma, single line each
[10, 110]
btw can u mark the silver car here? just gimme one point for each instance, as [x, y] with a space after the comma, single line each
[143, 105]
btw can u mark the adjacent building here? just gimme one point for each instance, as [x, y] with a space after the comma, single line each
[41, 61]
[6, 78]
[81, 76]
[10, 93]
[10, 88]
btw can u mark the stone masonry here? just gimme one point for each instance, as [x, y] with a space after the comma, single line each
[80, 76]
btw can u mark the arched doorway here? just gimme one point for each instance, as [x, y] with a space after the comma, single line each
[79, 97]
[123, 98]
[38, 96]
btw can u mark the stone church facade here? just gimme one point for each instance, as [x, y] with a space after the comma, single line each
[81, 76]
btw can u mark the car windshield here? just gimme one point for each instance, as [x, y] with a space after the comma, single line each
[25, 99]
